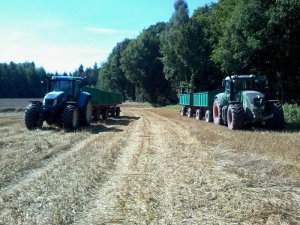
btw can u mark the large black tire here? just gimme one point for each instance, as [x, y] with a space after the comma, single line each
[33, 118]
[88, 113]
[118, 111]
[183, 111]
[277, 122]
[96, 115]
[198, 114]
[217, 110]
[70, 117]
[235, 117]
[190, 112]
[208, 116]
[104, 113]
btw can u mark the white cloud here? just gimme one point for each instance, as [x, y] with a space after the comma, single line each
[54, 58]
[107, 31]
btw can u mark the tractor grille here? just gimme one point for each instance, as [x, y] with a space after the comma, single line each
[49, 102]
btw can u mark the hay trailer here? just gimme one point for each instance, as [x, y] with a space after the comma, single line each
[104, 103]
[199, 104]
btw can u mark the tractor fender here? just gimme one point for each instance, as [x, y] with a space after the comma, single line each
[83, 99]
[222, 98]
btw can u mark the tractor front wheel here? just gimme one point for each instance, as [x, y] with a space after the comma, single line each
[217, 112]
[33, 119]
[235, 117]
[70, 117]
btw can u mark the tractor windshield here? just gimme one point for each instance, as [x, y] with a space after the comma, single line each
[244, 84]
[62, 85]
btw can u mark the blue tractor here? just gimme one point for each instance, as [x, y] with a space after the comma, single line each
[65, 105]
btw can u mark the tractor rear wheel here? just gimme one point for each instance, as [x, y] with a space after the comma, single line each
[235, 117]
[33, 119]
[277, 122]
[217, 112]
[208, 116]
[70, 117]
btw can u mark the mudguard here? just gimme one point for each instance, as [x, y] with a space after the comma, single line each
[83, 99]
[222, 99]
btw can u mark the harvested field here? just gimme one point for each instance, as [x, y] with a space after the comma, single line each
[150, 166]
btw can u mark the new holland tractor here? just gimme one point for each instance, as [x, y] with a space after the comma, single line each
[247, 100]
[65, 105]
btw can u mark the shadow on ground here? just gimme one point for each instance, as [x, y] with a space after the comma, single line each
[101, 126]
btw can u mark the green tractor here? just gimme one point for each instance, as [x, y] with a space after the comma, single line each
[247, 100]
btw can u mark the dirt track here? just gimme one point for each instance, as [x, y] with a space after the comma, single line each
[150, 166]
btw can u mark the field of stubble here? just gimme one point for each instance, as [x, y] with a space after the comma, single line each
[150, 166]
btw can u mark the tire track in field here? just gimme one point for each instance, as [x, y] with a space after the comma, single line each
[102, 207]
[58, 191]
[137, 195]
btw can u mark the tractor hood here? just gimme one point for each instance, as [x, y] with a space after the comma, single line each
[253, 99]
[53, 99]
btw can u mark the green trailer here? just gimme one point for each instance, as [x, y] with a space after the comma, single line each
[105, 103]
[199, 104]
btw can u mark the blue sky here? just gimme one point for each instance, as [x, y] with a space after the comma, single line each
[62, 34]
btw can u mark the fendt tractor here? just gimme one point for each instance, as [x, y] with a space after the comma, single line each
[69, 105]
[247, 100]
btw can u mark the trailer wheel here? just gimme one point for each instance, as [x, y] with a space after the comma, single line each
[198, 114]
[118, 111]
[70, 117]
[96, 115]
[277, 122]
[217, 112]
[104, 113]
[208, 116]
[183, 111]
[88, 113]
[33, 119]
[235, 117]
[190, 112]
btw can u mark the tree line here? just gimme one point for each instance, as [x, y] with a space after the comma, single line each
[229, 37]
[25, 80]
[194, 52]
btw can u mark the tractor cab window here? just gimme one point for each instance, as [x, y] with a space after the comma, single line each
[63, 85]
[227, 87]
[243, 85]
[77, 87]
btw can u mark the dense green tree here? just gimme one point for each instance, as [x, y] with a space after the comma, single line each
[260, 37]
[22, 80]
[112, 78]
[142, 66]
[174, 45]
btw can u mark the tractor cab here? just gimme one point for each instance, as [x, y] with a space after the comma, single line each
[62, 89]
[71, 86]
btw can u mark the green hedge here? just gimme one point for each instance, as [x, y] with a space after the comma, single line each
[292, 114]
